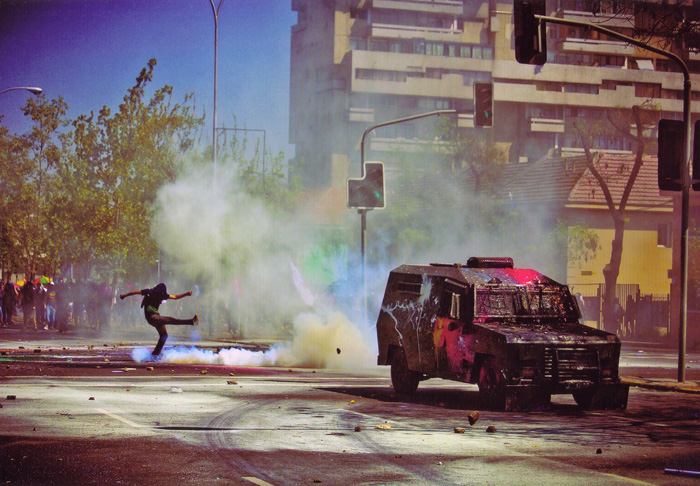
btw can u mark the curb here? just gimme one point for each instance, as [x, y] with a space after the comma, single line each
[685, 387]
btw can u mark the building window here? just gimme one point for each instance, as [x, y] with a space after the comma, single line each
[357, 44]
[663, 235]
[647, 90]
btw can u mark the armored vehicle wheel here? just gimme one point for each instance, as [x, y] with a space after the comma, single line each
[492, 385]
[405, 381]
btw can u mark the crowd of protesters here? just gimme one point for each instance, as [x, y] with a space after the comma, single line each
[63, 305]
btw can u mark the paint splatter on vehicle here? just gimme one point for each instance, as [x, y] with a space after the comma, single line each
[514, 332]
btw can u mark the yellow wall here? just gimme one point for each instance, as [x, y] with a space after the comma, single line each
[643, 262]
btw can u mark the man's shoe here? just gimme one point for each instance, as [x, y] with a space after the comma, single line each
[195, 320]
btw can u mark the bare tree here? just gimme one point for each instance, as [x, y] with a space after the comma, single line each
[668, 24]
[627, 124]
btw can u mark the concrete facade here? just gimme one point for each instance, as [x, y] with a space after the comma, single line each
[355, 63]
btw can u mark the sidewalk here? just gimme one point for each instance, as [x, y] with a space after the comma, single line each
[664, 384]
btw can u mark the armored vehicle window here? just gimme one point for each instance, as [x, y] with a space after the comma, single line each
[413, 287]
[450, 304]
[504, 301]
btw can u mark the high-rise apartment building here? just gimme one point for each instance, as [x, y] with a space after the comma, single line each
[355, 63]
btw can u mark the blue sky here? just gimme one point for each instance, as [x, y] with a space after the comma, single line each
[91, 51]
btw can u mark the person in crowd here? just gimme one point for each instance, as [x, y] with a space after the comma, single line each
[26, 295]
[152, 299]
[40, 305]
[9, 302]
[51, 306]
[101, 302]
[62, 305]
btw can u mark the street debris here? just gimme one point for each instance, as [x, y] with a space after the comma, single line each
[337, 350]
[204, 372]
[599, 451]
[176, 389]
[473, 417]
[358, 428]
[491, 429]
[383, 426]
[231, 382]
[352, 401]
[129, 369]
[37, 350]
[91, 398]
[459, 430]
[149, 368]
[11, 397]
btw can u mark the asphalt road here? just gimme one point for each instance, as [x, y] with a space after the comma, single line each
[88, 414]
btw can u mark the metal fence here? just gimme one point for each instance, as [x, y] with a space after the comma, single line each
[636, 316]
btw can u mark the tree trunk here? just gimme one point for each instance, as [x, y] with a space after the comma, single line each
[610, 273]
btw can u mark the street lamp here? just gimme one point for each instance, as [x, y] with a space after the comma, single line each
[215, 11]
[36, 91]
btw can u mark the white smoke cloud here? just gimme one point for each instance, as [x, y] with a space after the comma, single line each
[329, 341]
[245, 258]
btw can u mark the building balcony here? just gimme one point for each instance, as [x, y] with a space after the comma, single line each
[450, 7]
[363, 115]
[393, 31]
[547, 125]
[465, 120]
[406, 145]
[414, 66]
[595, 46]
[606, 20]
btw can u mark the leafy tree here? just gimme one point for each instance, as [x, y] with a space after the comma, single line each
[475, 158]
[116, 166]
[29, 163]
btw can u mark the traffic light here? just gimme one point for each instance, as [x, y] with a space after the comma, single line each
[483, 104]
[368, 192]
[530, 33]
[671, 144]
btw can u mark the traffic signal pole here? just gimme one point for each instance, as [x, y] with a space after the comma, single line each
[363, 211]
[685, 181]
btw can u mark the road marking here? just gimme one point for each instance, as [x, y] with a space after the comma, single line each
[629, 480]
[257, 481]
[121, 419]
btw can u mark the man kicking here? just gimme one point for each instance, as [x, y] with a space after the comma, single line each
[152, 298]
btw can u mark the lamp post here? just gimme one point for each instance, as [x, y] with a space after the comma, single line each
[31, 89]
[215, 11]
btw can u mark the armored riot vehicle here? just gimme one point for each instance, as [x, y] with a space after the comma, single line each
[514, 332]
